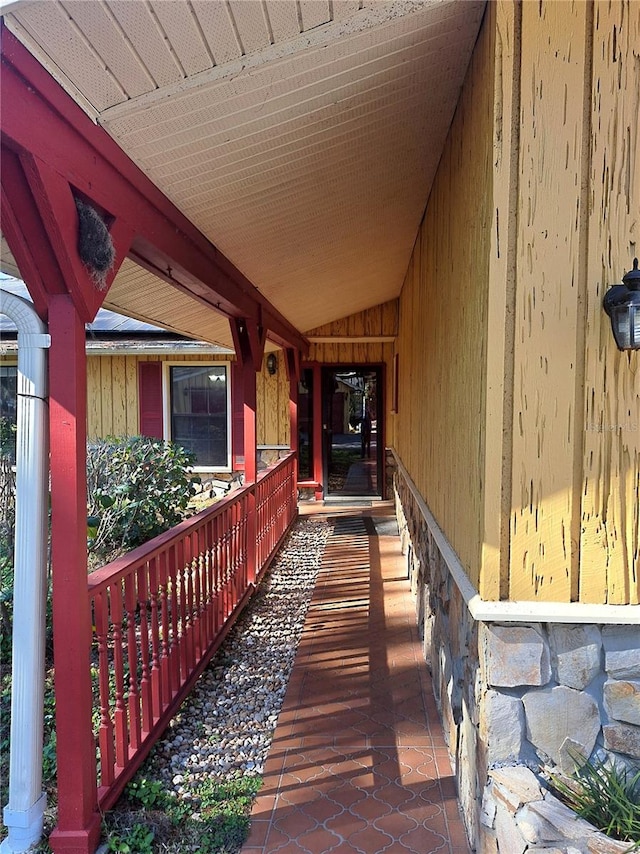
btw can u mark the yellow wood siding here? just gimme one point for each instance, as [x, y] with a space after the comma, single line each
[494, 569]
[576, 433]
[443, 317]
[610, 477]
[273, 404]
[548, 274]
[545, 503]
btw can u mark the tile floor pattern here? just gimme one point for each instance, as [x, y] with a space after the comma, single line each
[358, 761]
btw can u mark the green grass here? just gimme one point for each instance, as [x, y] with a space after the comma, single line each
[606, 796]
[341, 461]
[214, 820]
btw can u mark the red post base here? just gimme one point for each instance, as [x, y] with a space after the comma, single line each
[83, 841]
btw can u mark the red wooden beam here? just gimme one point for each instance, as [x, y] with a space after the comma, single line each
[40, 118]
[54, 199]
[24, 231]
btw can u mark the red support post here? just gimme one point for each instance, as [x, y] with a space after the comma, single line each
[249, 340]
[318, 431]
[293, 373]
[250, 461]
[78, 827]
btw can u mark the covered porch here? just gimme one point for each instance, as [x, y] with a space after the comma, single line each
[421, 201]
[226, 149]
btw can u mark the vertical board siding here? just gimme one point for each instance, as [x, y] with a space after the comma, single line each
[546, 321]
[515, 407]
[131, 397]
[273, 404]
[443, 317]
[119, 421]
[610, 510]
[94, 399]
[505, 24]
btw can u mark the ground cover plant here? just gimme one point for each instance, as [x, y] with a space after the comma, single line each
[606, 795]
[148, 819]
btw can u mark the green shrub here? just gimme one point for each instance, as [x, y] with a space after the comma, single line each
[8, 437]
[137, 488]
[607, 796]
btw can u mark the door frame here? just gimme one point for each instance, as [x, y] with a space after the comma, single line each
[320, 463]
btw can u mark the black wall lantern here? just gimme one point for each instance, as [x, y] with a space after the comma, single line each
[272, 363]
[622, 304]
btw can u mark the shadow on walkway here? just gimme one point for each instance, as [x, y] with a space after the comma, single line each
[358, 762]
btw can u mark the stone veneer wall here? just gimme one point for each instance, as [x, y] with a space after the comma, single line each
[525, 695]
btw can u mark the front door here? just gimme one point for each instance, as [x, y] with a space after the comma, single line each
[352, 440]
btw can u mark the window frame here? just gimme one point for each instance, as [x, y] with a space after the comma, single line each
[166, 405]
[12, 362]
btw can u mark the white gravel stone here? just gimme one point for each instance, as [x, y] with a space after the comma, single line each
[224, 729]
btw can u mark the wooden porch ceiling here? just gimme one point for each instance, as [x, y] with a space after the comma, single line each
[300, 137]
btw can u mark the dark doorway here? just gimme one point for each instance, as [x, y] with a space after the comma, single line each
[351, 431]
[305, 425]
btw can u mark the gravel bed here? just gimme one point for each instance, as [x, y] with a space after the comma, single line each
[224, 729]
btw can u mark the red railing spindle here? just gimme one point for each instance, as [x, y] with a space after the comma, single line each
[120, 714]
[156, 676]
[133, 699]
[145, 675]
[105, 732]
[166, 644]
[174, 576]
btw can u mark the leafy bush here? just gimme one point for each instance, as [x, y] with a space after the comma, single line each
[606, 796]
[137, 488]
[8, 437]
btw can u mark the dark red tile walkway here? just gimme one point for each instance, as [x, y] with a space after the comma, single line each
[358, 761]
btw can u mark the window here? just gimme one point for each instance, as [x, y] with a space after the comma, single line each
[8, 409]
[197, 411]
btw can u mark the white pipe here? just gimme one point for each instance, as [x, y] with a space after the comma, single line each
[24, 814]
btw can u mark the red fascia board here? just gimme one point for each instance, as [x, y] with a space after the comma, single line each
[39, 117]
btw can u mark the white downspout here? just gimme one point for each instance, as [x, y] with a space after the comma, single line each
[24, 814]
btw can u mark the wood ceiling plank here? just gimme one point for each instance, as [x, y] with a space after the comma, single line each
[251, 24]
[102, 30]
[49, 25]
[144, 32]
[308, 162]
[343, 9]
[295, 142]
[218, 28]
[328, 78]
[283, 19]
[314, 13]
[184, 33]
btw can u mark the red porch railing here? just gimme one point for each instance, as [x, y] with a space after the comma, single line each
[161, 611]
